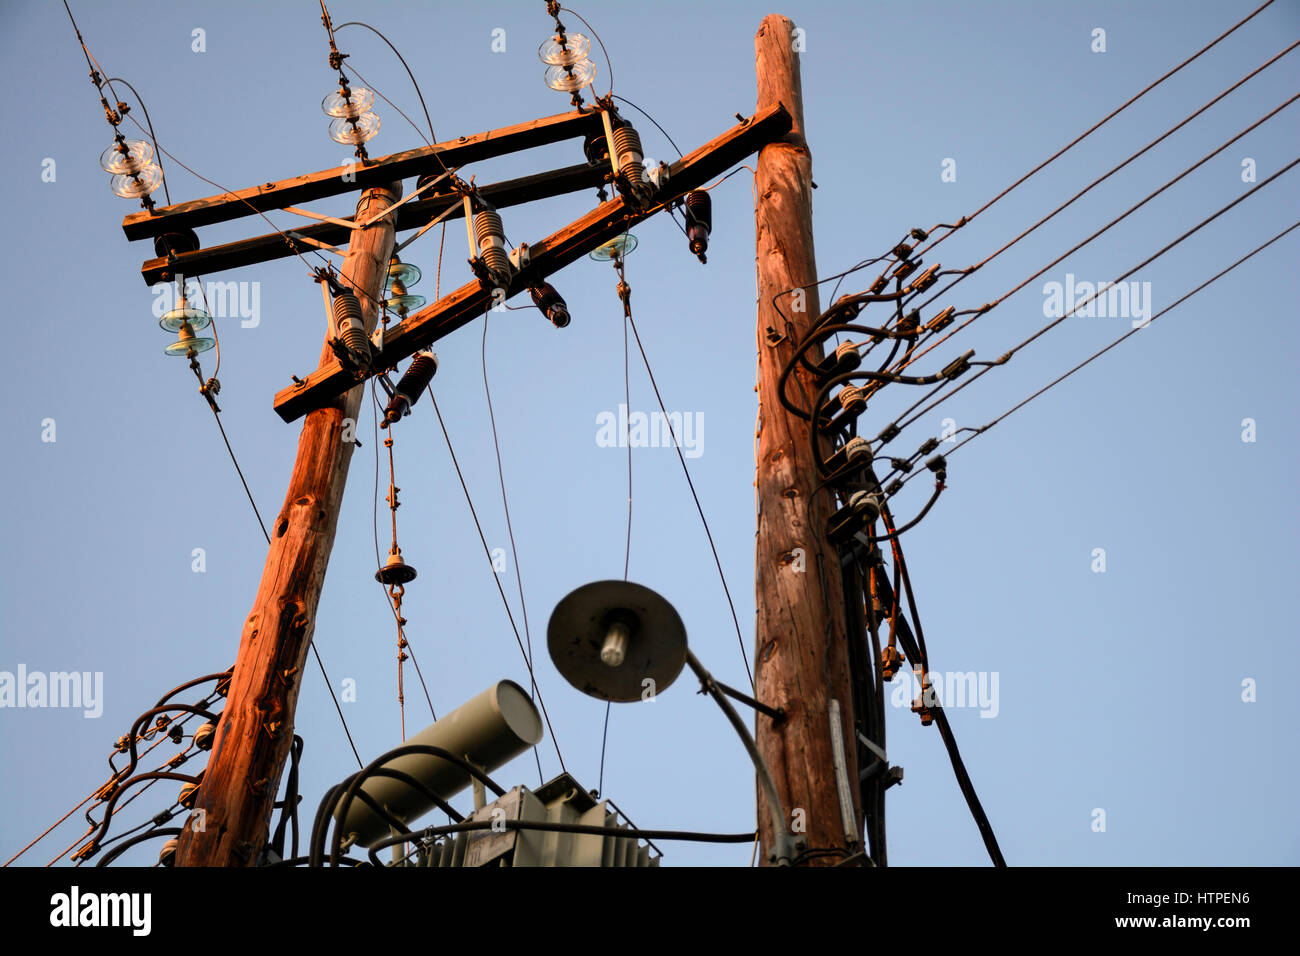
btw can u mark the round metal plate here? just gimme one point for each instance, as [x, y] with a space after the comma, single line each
[656, 649]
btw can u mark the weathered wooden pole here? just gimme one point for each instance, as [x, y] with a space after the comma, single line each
[256, 726]
[801, 652]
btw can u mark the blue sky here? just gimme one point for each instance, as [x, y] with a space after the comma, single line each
[1120, 691]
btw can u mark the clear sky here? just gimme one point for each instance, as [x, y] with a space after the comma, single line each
[1119, 690]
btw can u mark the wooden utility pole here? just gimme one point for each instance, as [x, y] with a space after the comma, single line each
[256, 728]
[801, 651]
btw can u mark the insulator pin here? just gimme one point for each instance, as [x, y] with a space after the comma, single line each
[699, 221]
[551, 304]
[350, 328]
[627, 148]
[409, 387]
[490, 235]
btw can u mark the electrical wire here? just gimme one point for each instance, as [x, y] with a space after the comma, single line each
[1118, 219]
[657, 126]
[1105, 119]
[505, 506]
[488, 553]
[1078, 195]
[99, 794]
[1006, 357]
[379, 561]
[608, 64]
[913, 644]
[677, 445]
[423, 106]
[555, 827]
[1133, 331]
[627, 549]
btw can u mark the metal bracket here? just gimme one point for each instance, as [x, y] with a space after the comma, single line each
[519, 257]
[609, 142]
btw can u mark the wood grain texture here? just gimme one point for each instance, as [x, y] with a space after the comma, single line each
[421, 329]
[256, 727]
[801, 654]
[412, 215]
[308, 187]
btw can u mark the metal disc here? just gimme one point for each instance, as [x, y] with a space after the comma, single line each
[395, 571]
[656, 649]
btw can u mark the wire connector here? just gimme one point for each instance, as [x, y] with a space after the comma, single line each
[958, 365]
[940, 321]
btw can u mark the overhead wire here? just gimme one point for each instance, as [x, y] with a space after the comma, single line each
[495, 577]
[608, 63]
[677, 445]
[1118, 219]
[510, 533]
[1104, 120]
[976, 432]
[1006, 357]
[627, 548]
[379, 561]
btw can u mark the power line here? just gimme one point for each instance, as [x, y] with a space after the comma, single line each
[1096, 182]
[1118, 219]
[1006, 357]
[488, 553]
[1106, 119]
[374, 514]
[505, 505]
[677, 445]
[1100, 352]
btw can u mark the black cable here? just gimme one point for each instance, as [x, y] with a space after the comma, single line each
[1104, 120]
[290, 807]
[495, 577]
[351, 789]
[151, 822]
[358, 23]
[1096, 182]
[698, 507]
[1051, 325]
[379, 562]
[151, 835]
[661, 129]
[510, 533]
[240, 472]
[1060, 378]
[608, 64]
[914, 653]
[547, 826]
[1114, 222]
[627, 549]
